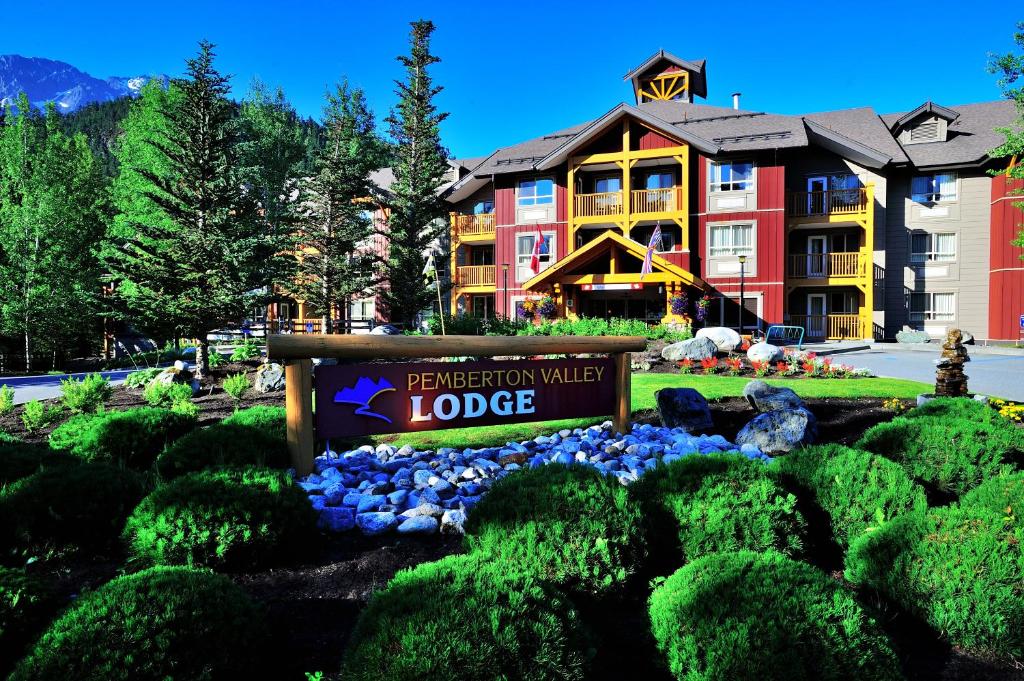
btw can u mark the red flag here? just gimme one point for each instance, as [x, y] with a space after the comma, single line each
[538, 250]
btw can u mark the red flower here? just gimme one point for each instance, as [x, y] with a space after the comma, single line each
[782, 367]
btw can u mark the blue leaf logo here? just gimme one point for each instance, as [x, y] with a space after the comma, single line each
[363, 393]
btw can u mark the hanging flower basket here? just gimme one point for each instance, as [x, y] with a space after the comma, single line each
[679, 304]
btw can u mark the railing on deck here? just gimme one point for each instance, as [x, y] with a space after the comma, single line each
[311, 326]
[831, 327]
[831, 202]
[655, 200]
[476, 275]
[824, 265]
[592, 205]
[482, 224]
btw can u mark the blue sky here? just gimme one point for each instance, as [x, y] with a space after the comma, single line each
[515, 70]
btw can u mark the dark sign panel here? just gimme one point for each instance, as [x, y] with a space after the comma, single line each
[370, 399]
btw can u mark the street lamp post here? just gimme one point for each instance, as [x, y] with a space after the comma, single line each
[504, 287]
[743, 261]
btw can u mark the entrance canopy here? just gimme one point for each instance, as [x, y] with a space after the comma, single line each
[611, 259]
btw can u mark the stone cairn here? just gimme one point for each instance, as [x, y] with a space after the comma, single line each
[950, 379]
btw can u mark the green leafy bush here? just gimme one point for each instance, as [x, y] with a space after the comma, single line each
[26, 605]
[226, 519]
[22, 459]
[6, 400]
[1002, 493]
[236, 386]
[141, 378]
[245, 351]
[249, 437]
[572, 525]
[858, 490]
[215, 358]
[961, 569]
[87, 395]
[166, 395]
[38, 415]
[132, 438]
[470, 325]
[162, 623]
[65, 507]
[465, 618]
[950, 454]
[720, 502]
[596, 326]
[955, 408]
[765, 617]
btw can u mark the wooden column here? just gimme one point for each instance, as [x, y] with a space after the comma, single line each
[298, 399]
[620, 420]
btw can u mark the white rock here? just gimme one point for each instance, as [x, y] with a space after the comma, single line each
[764, 352]
[724, 338]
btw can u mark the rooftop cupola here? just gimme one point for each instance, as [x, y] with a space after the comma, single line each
[664, 76]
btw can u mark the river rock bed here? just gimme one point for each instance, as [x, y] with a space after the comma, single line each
[384, 489]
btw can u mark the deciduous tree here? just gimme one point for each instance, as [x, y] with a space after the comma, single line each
[1010, 69]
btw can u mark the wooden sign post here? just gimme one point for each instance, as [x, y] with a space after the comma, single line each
[427, 396]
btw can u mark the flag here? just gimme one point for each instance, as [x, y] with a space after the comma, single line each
[539, 249]
[649, 256]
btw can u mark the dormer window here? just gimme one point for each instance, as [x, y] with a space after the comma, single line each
[927, 123]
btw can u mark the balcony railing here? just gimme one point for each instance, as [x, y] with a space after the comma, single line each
[826, 265]
[594, 205]
[830, 326]
[831, 202]
[476, 275]
[481, 224]
[656, 200]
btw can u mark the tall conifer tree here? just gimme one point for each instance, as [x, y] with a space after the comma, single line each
[417, 214]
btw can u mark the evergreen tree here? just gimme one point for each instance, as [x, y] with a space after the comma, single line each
[417, 214]
[201, 259]
[333, 262]
[1010, 68]
[51, 215]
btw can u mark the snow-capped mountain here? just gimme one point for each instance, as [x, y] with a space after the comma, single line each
[47, 80]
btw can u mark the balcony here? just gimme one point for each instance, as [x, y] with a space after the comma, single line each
[645, 201]
[831, 326]
[827, 266]
[597, 205]
[833, 205]
[475, 276]
[480, 227]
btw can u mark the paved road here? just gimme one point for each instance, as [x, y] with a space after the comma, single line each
[1000, 375]
[28, 388]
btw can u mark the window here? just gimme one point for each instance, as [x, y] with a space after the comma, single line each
[726, 240]
[483, 306]
[362, 309]
[538, 192]
[932, 307]
[483, 207]
[524, 254]
[725, 311]
[733, 176]
[642, 235]
[940, 247]
[934, 188]
[659, 181]
[603, 185]
[483, 255]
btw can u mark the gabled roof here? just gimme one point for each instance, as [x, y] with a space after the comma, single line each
[604, 243]
[968, 139]
[862, 125]
[698, 79]
[928, 107]
[845, 146]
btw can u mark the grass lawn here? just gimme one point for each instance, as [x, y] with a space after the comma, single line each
[644, 387]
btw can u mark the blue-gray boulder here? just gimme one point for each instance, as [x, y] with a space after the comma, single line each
[683, 408]
[337, 519]
[764, 397]
[420, 524]
[779, 431]
[372, 524]
[693, 348]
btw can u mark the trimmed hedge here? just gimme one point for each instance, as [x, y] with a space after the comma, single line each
[858, 490]
[719, 502]
[960, 569]
[225, 519]
[1003, 493]
[950, 454]
[130, 438]
[159, 624]
[20, 459]
[572, 525]
[465, 618]
[26, 605]
[765, 617]
[76, 506]
[250, 437]
[956, 408]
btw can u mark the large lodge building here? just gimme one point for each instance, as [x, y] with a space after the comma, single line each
[850, 224]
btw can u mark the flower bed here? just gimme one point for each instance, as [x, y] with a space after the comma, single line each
[797, 364]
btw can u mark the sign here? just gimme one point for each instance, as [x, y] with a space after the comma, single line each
[1022, 322]
[613, 287]
[373, 398]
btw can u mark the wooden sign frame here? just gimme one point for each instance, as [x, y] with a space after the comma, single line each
[297, 351]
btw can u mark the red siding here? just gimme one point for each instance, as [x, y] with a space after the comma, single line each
[505, 252]
[1006, 279]
[652, 140]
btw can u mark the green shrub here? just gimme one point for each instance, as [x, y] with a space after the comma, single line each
[159, 624]
[765, 617]
[858, 490]
[245, 351]
[215, 358]
[38, 415]
[464, 618]
[1002, 493]
[960, 569]
[720, 502]
[470, 325]
[572, 525]
[26, 605]
[141, 378]
[87, 395]
[955, 408]
[249, 437]
[6, 400]
[236, 386]
[132, 438]
[21, 459]
[596, 326]
[950, 454]
[65, 507]
[225, 519]
[166, 395]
